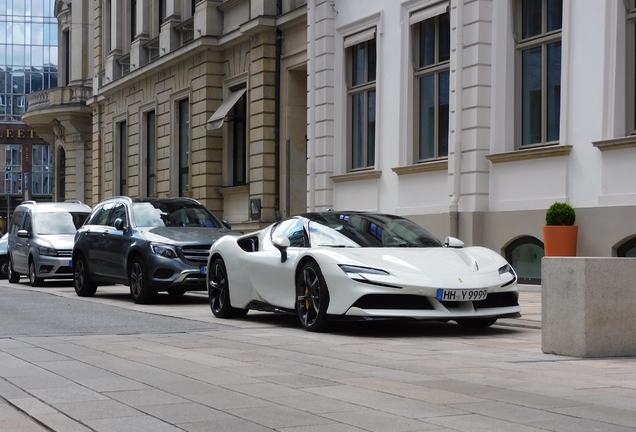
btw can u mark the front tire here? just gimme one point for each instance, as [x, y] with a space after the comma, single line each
[312, 297]
[13, 276]
[219, 292]
[476, 323]
[139, 289]
[84, 285]
[34, 280]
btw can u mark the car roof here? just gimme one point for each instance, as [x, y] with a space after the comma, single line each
[142, 200]
[48, 207]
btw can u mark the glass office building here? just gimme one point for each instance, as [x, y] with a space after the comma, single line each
[28, 63]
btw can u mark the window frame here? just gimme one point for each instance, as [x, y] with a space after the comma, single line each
[542, 40]
[368, 147]
[435, 69]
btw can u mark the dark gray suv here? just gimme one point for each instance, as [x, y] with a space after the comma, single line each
[150, 244]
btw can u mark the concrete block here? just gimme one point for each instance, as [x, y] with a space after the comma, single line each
[588, 306]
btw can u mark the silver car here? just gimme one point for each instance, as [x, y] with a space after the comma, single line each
[41, 240]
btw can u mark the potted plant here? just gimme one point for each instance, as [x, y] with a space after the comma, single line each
[559, 232]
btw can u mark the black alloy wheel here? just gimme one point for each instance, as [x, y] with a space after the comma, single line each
[312, 298]
[13, 276]
[139, 289]
[219, 292]
[34, 280]
[84, 285]
[4, 267]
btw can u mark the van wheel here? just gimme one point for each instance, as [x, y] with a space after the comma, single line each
[13, 276]
[34, 280]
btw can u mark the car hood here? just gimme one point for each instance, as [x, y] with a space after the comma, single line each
[186, 235]
[56, 241]
[472, 266]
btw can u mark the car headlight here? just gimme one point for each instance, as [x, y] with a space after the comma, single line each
[43, 250]
[164, 250]
[508, 269]
[357, 270]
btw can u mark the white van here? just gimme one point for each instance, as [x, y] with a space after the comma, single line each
[41, 237]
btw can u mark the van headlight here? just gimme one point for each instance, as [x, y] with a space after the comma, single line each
[47, 251]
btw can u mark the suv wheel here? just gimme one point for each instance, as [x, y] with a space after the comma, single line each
[84, 285]
[33, 278]
[139, 289]
[4, 267]
[13, 276]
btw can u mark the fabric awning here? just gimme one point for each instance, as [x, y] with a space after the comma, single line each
[430, 12]
[216, 121]
[360, 37]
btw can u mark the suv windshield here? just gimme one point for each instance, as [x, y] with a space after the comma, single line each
[58, 222]
[362, 230]
[171, 213]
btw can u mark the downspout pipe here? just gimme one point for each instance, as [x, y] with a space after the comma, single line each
[453, 207]
[279, 46]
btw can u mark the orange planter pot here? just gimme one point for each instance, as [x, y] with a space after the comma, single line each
[560, 240]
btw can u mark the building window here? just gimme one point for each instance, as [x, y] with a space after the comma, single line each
[13, 169]
[123, 157]
[431, 28]
[133, 19]
[151, 153]
[42, 168]
[361, 61]
[238, 126]
[61, 174]
[184, 146]
[524, 255]
[539, 56]
[66, 40]
[627, 249]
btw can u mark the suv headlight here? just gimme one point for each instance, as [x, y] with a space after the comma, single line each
[43, 250]
[164, 250]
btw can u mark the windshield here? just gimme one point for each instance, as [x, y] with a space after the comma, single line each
[173, 214]
[58, 222]
[368, 230]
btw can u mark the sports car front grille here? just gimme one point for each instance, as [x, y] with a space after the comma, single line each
[393, 301]
[196, 253]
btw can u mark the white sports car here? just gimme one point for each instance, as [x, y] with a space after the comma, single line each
[357, 265]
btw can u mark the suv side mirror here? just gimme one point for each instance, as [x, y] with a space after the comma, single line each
[226, 224]
[281, 243]
[24, 234]
[119, 225]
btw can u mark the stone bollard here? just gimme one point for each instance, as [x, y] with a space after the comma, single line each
[588, 306]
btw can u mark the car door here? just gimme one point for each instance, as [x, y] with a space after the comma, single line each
[20, 246]
[117, 242]
[272, 279]
[94, 242]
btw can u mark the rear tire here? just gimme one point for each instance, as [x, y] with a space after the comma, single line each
[476, 323]
[84, 285]
[139, 289]
[312, 298]
[219, 292]
[4, 268]
[34, 280]
[13, 276]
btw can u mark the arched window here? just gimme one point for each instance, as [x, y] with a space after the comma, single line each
[627, 249]
[61, 175]
[524, 254]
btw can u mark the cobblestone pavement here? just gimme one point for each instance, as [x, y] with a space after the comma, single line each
[264, 373]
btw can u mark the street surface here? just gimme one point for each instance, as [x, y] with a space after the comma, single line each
[106, 364]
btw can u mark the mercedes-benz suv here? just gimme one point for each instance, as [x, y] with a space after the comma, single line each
[149, 244]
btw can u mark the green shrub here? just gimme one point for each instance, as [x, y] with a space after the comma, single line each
[560, 214]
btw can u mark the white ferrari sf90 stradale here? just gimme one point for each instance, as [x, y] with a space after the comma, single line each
[357, 265]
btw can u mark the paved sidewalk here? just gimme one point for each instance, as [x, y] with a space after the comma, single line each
[265, 373]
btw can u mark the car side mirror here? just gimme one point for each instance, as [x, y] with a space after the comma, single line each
[24, 234]
[281, 243]
[452, 242]
[226, 225]
[119, 225]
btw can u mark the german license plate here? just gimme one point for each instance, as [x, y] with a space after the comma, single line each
[461, 294]
[204, 269]
[70, 263]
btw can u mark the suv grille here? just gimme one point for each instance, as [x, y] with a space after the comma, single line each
[196, 253]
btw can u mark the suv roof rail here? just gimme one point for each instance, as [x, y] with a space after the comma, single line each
[73, 201]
